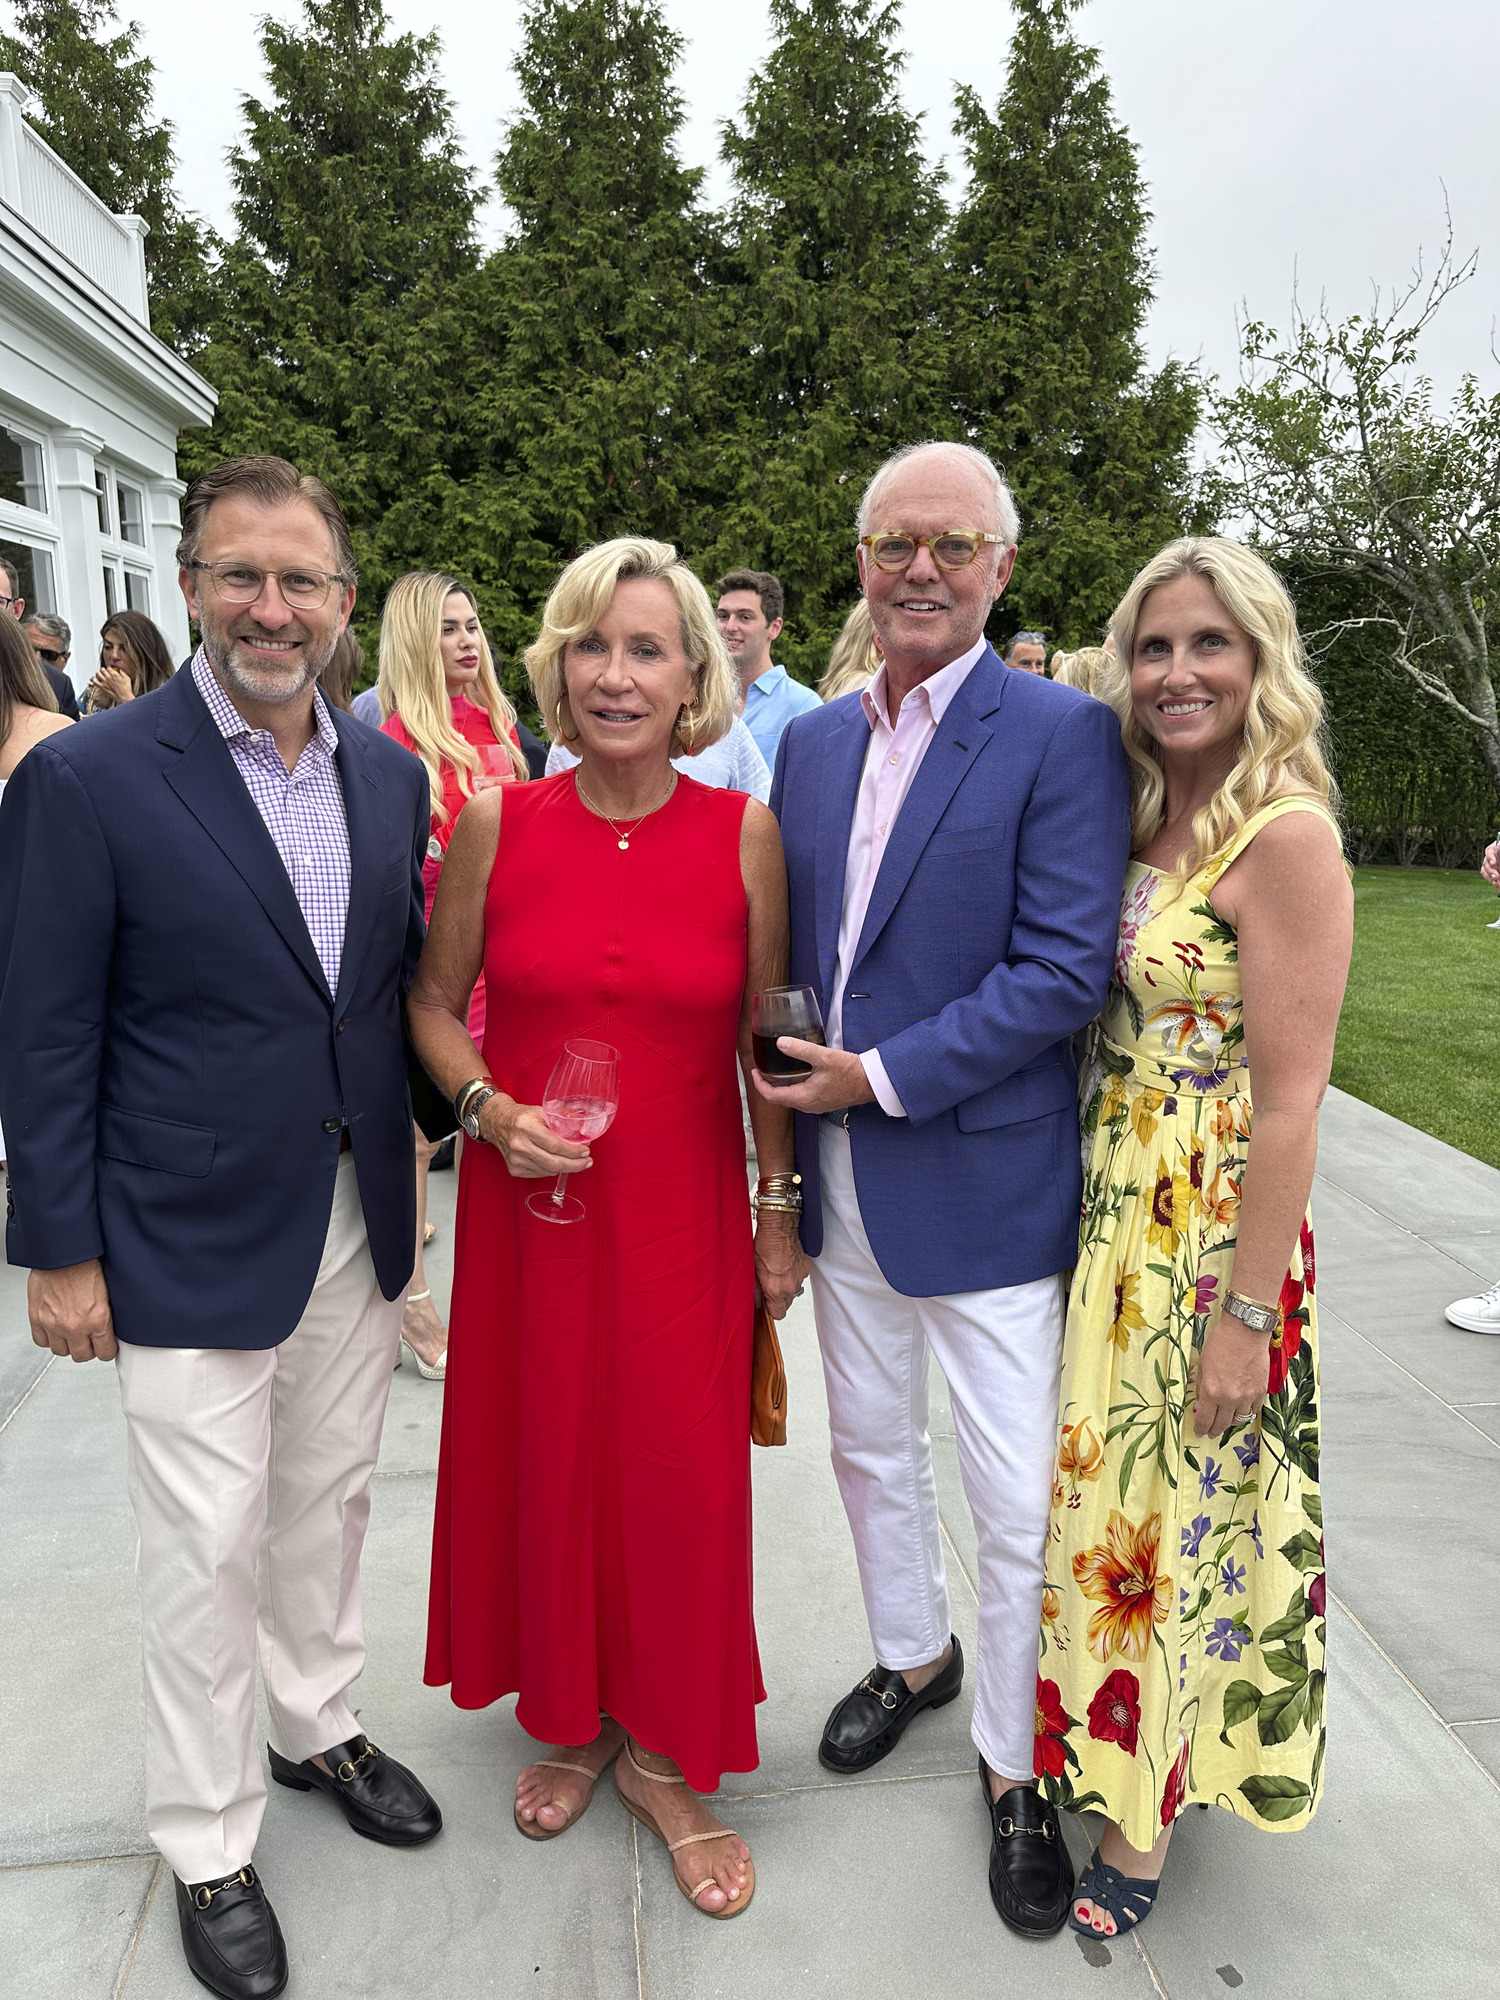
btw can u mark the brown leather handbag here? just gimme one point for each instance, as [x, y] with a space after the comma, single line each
[767, 1382]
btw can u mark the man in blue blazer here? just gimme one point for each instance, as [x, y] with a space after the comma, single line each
[210, 909]
[956, 839]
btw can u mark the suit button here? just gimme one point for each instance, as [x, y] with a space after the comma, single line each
[341, 1027]
[332, 1124]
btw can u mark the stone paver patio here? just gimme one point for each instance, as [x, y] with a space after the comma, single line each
[869, 1889]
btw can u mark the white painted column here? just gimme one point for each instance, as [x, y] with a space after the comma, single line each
[165, 529]
[80, 585]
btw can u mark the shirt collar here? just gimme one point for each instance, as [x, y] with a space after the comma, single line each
[233, 727]
[763, 683]
[938, 689]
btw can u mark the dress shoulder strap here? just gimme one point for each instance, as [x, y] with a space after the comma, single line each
[1277, 809]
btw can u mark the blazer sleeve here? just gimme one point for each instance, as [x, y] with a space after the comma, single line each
[1072, 846]
[57, 936]
[416, 916]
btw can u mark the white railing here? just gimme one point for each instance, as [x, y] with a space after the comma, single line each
[108, 248]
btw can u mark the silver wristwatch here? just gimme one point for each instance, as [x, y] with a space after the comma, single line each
[471, 1101]
[1259, 1318]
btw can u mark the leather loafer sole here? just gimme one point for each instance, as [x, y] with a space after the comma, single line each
[368, 1820]
[940, 1690]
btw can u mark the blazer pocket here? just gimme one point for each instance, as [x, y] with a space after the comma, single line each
[966, 839]
[1030, 1093]
[137, 1139]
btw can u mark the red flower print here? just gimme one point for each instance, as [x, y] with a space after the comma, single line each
[1317, 1590]
[1171, 1805]
[1115, 1711]
[1051, 1726]
[1287, 1338]
[1309, 1261]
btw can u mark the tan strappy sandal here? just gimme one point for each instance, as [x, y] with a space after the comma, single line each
[730, 1909]
[529, 1827]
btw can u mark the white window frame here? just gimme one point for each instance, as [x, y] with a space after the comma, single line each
[11, 510]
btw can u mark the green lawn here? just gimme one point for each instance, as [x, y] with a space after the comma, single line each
[1420, 1033]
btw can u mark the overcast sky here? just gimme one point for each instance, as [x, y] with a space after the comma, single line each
[1292, 139]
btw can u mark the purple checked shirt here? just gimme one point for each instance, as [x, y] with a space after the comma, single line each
[303, 810]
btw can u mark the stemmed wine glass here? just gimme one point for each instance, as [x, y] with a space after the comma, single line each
[580, 1102]
[783, 1010]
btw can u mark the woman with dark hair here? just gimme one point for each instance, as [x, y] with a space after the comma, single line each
[133, 659]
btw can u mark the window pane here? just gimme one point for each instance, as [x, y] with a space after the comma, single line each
[101, 489]
[111, 591]
[132, 515]
[34, 568]
[137, 592]
[21, 471]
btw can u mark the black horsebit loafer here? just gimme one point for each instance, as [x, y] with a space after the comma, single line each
[231, 1938]
[381, 1798]
[868, 1723]
[1031, 1875]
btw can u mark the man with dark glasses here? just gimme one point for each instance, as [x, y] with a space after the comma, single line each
[52, 640]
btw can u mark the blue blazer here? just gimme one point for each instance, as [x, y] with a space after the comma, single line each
[988, 942]
[174, 1071]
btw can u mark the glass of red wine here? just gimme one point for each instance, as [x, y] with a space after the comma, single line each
[580, 1102]
[784, 1010]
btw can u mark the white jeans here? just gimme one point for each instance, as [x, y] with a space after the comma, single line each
[1001, 1352]
[245, 1459]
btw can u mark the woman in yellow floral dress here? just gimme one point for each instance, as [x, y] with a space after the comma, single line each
[1183, 1621]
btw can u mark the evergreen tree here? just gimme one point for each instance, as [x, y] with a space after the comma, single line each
[1049, 280]
[94, 110]
[344, 335]
[833, 356]
[593, 308]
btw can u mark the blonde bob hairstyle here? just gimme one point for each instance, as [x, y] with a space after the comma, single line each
[1081, 669]
[579, 599]
[413, 687]
[855, 655]
[1281, 751]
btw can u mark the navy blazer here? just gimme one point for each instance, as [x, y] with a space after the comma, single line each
[988, 942]
[174, 1071]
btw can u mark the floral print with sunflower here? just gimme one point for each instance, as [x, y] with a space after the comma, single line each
[1183, 1626]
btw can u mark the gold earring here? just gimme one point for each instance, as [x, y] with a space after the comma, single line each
[565, 720]
[691, 727]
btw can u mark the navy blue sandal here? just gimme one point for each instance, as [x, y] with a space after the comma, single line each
[1126, 1898]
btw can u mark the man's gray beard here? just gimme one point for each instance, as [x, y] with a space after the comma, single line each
[243, 681]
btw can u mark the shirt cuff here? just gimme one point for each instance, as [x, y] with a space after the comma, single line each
[880, 1083]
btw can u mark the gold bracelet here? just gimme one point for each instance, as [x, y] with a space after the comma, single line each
[777, 1183]
[761, 1203]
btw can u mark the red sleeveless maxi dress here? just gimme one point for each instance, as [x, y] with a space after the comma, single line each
[591, 1547]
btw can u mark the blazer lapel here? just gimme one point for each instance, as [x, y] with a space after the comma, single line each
[843, 760]
[960, 737]
[208, 782]
[364, 802]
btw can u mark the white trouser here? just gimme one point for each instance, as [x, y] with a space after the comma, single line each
[239, 1458]
[1001, 1352]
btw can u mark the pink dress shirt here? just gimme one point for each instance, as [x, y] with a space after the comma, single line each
[892, 761]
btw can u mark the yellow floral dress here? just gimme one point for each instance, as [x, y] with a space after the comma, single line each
[1182, 1650]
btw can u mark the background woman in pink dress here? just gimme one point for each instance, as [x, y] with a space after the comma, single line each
[441, 699]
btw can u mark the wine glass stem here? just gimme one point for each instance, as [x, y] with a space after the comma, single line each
[557, 1192]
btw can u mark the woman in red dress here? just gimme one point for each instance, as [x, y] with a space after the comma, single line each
[442, 700]
[592, 1542]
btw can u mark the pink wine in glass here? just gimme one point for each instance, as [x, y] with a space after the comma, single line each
[579, 1103]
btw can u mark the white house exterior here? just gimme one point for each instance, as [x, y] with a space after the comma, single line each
[90, 402]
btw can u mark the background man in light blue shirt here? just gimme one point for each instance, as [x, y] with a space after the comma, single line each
[750, 609]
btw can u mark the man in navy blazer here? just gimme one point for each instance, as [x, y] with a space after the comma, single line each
[956, 839]
[210, 910]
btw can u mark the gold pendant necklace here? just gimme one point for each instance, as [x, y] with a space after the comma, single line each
[622, 834]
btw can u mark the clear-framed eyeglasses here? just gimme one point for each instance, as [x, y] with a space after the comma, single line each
[240, 583]
[954, 548]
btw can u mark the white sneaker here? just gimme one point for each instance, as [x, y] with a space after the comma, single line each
[1477, 1315]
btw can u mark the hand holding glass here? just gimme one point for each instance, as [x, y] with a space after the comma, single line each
[582, 1097]
[784, 1010]
[495, 767]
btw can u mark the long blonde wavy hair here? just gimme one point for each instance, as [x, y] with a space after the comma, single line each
[412, 686]
[1281, 752]
[579, 599]
[855, 654]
